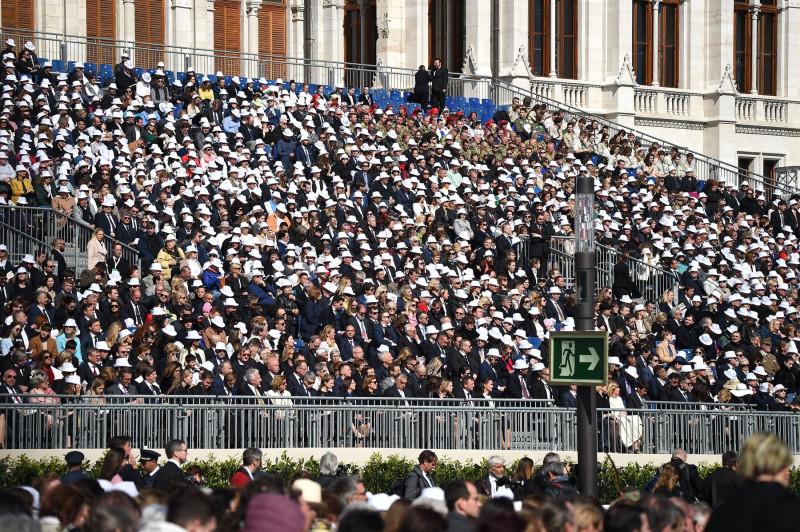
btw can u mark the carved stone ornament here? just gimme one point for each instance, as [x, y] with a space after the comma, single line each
[727, 85]
[470, 65]
[521, 61]
[626, 74]
[383, 26]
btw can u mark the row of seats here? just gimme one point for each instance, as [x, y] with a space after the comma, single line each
[484, 108]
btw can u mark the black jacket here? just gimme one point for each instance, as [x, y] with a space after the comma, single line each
[721, 486]
[166, 474]
[758, 506]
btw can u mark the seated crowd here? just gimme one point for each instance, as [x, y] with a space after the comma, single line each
[130, 495]
[296, 244]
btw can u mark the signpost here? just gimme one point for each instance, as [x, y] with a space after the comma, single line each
[584, 358]
[578, 358]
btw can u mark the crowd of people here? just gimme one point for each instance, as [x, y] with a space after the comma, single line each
[131, 495]
[294, 243]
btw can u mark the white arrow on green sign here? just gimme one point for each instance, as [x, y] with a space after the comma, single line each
[579, 358]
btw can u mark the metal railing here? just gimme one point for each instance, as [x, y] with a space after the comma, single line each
[176, 59]
[302, 422]
[652, 281]
[705, 166]
[31, 230]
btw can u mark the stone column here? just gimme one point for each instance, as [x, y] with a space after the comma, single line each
[553, 25]
[180, 32]
[754, 13]
[251, 68]
[129, 24]
[296, 40]
[479, 38]
[656, 41]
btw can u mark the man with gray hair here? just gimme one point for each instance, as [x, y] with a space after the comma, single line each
[328, 466]
[251, 460]
[495, 478]
[559, 486]
[349, 489]
[540, 480]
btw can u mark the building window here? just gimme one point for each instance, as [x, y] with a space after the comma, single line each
[447, 32]
[227, 35]
[643, 41]
[565, 55]
[742, 48]
[768, 48]
[539, 44]
[360, 38]
[272, 38]
[18, 15]
[567, 38]
[669, 36]
[149, 30]
[101, 28]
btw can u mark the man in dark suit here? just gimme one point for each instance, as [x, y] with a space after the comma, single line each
[540, 387]
[348, 342]
[148, 386]
[366, 97]
[171, 472]
[74, 461]
[725, 482]
[148, 459]
[518, 384]
[124, 385]
[439, 78]
[495, 478]
[294, 382]
[89, 370]
[635, 401]
[410, 340]
[568, 398]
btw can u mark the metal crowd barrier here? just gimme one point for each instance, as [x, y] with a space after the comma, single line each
[31, 230]
[302, 422]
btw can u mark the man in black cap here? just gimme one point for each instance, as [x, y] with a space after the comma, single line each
[74, 462]
[149, 462]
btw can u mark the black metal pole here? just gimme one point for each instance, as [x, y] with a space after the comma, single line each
[584, 321]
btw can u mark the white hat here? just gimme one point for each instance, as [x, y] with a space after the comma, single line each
[521, 364]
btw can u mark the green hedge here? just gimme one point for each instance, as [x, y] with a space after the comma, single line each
[378, 472]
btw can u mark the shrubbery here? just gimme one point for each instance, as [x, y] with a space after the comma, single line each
[378, 472]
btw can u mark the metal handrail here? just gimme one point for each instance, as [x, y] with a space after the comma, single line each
[706, 166]
[379, 76]
[237, 422]
[50, 224]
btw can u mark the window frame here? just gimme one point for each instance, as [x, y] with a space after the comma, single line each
[675, 46]
[768, 12]
[743, 81]
[646, 77]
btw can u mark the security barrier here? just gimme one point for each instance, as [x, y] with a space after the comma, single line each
[301, 422]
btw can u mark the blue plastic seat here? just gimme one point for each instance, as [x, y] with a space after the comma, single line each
[138, 71]
[59, 65]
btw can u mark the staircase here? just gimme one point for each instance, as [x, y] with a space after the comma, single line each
[705, 167]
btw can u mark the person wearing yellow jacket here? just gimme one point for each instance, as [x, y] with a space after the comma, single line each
[169, 256]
